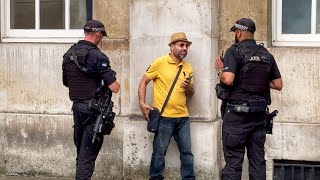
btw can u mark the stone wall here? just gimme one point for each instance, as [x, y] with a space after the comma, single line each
[36, 121]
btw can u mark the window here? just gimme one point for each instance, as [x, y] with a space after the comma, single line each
[296, 170]
[44, 20]
[296, 22]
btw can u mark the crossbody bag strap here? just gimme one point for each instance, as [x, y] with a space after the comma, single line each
[170, 91]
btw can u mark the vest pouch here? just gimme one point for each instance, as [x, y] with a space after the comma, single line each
[108, 125]
[222, 92]
[257, 105]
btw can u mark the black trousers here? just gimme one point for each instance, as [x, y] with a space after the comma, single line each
[240, 131]
[87, 151]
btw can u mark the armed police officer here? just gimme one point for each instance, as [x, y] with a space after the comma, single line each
[250, 71]
[85, 69]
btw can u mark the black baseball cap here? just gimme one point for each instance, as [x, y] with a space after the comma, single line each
[244, 24]
[95, 26]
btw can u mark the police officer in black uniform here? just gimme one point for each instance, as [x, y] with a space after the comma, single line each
[85, 67]
[250, 71]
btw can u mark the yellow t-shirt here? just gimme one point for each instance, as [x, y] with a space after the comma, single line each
[162, 71]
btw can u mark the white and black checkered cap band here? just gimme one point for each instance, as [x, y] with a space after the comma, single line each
[241, 27]
[90, 29]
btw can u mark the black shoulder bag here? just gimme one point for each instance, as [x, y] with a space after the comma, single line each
[155, 114]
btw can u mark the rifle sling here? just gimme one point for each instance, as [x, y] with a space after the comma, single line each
[75, 59]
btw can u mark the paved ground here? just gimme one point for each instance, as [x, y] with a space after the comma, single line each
[30, 178]
[35, 178]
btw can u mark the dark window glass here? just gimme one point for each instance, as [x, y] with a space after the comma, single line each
[80, 12]
[52, 14]
[296, 16]
[318, 17]
[22, 14]
[317, 173]
[297, 171]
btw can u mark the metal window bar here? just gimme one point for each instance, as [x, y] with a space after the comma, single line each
[89, 9]
[298, 170]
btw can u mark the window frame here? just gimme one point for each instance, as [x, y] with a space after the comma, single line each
[66, 35]
[279, 39]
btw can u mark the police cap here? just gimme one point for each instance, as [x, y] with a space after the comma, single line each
[95, 26]
[244, 24]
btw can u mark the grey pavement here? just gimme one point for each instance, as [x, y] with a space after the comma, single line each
[31, 178]
[2, 177]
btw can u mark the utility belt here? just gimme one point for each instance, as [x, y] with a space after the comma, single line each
[252, 105]
[92, 104]
[81, 101]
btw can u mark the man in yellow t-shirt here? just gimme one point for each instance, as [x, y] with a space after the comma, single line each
[174, 120]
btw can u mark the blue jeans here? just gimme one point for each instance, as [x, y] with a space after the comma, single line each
[179, 128]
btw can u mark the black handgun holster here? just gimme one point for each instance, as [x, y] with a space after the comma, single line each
[222, 92]
[93, 105]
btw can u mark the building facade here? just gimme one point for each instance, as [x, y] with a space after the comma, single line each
[35, 111]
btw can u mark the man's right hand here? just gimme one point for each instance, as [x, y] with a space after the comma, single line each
[145, 110]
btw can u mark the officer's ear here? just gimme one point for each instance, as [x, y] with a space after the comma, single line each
[98, 34]
[239, 34]
[243, 34]
[236, 32]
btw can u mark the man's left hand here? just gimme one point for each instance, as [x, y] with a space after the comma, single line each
[186, 84]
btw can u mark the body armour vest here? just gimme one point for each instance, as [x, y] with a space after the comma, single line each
[253, 74]
[82, 82]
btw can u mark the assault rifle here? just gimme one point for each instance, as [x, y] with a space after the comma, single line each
[103, 105]
[270, 117]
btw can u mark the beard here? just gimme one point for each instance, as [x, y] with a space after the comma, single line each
[179, 54]
[182, 56]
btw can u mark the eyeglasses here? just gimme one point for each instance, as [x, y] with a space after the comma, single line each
[181, 45]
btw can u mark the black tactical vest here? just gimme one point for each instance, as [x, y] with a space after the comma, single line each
[82, 82]
[253, 70]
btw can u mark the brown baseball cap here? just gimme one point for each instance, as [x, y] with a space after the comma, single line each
[179, 36]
